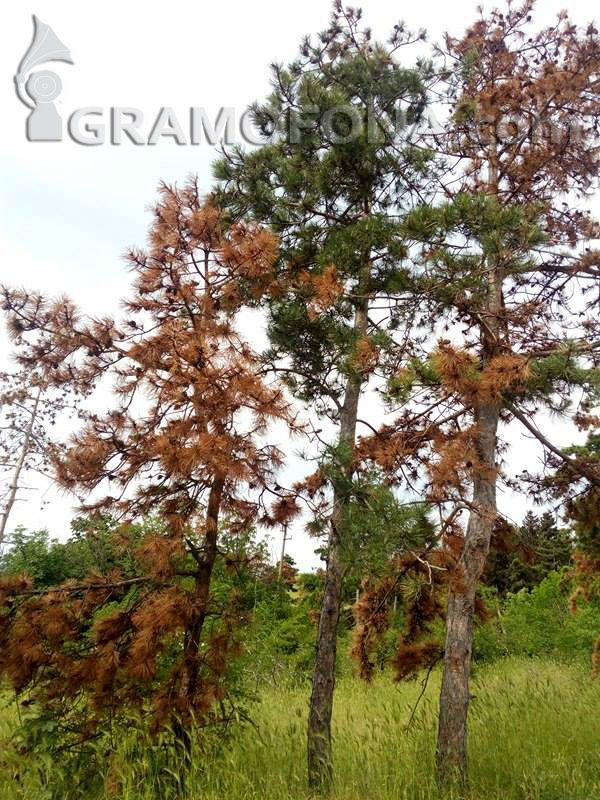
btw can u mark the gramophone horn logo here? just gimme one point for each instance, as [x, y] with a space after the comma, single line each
[43, 87]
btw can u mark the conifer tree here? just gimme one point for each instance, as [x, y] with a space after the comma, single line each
[333, 179]
[506, 275]
[522, 556]
[185, 443]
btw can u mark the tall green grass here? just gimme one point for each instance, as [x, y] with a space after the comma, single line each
[534, 735]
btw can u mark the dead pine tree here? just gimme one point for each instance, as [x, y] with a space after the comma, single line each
[185, 442]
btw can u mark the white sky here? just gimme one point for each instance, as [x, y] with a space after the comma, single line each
[68, 211]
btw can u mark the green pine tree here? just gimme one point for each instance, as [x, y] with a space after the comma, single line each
[333, 180]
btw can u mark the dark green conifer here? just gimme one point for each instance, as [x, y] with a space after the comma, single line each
[333, 180]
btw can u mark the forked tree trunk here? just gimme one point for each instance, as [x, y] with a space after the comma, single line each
[454, 698]
[319, 753]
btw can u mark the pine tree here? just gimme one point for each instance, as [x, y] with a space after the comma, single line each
[522, 556]
[505, 274]
[185, 444]
[332, 180]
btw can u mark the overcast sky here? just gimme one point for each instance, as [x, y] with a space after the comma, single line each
[68, 211]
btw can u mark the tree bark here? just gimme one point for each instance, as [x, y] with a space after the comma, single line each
[193, 636]
[319, 751]
[454, 697]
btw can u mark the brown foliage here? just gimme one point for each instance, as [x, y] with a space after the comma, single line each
[325, 289]
[184, 441]
[411, 658]
[419, 582]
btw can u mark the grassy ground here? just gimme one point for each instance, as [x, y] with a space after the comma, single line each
[534, 735]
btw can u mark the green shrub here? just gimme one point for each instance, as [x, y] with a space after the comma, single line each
[539, 622]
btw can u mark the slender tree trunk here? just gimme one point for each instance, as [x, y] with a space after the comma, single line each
[283, 543]
[320, 763]
[193, 636]
[454, 698]
[14, 484]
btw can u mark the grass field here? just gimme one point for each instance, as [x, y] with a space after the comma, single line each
[534, 735]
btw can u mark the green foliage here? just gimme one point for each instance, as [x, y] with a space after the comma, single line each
[491, 228]
[563, 369]
[381, 526]
[333, 176]
[50, 562]
[539, 622]
[415, 374]
[280, 642]
[90, 548]
[377, 523]
[520, 558]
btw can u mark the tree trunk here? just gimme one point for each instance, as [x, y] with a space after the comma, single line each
[14, 484]
[454, 697]
[320, 762]
[283, 543]
[193, 636]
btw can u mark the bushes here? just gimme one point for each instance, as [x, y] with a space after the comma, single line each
[536, 622]
[539, 622]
